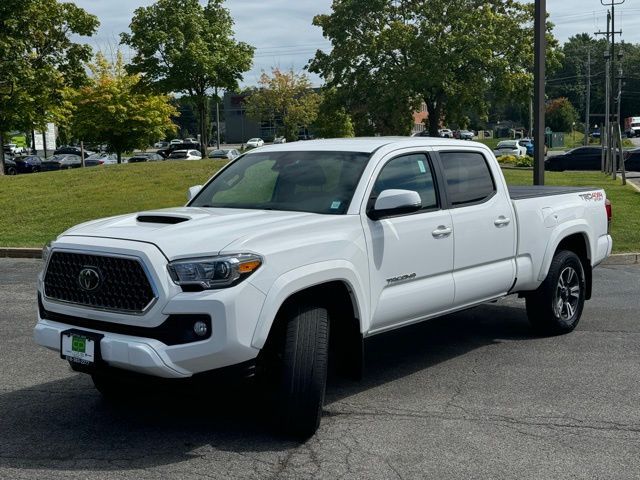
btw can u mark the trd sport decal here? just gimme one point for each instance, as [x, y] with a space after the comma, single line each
[596, 196]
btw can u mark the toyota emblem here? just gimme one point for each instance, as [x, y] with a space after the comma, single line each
[89, 279]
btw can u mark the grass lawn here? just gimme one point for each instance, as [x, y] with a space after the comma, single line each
[36, 208]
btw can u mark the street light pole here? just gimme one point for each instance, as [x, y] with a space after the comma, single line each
[540, 25]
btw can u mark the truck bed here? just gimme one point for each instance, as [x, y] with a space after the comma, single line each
[521, 192]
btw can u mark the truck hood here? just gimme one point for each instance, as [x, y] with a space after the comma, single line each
[188, 231]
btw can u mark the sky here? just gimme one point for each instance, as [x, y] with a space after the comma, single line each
[282, 33]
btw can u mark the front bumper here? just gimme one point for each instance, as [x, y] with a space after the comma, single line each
[233, 314]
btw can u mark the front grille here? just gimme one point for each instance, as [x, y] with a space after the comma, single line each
[122, 283]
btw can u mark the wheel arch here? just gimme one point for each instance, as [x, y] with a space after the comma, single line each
[576, 240]
[336, 286]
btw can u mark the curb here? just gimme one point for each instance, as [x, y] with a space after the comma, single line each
[614, 259]
[622, 259]
[6, 252]
[633, 184]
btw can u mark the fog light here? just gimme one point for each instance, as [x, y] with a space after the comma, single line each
[200, 328]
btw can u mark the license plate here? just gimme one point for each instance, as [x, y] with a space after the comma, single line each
[80, 348]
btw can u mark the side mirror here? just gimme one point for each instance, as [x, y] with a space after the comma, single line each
[193, 191]
[395, 202]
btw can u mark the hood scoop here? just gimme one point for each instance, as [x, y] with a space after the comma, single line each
[163, 219]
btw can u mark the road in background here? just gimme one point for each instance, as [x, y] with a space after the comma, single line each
[471, 395]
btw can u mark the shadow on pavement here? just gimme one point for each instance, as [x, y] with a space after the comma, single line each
[65, 424]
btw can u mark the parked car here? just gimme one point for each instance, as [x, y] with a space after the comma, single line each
[228, 153]
[10, 167]
[510, 147]
[61, 162]
[632, 160]
[175, 141]
[185, 155]
[279, 140]
[421, 133]
[102, 158]
[466, 135]
[165, 152]
[190, 140]
[28, 163]
[13, 149]
[581, 158]
[445, 133]
[255, 142]
[145, 157]
[161, 144]
[412, 231]
[528, 144]
[72, 150]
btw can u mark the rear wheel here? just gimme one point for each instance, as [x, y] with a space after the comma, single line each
[12, 171]
[294, 368]
[556, 306]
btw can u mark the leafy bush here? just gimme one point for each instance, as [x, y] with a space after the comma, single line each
[525, 161]
[507, 159]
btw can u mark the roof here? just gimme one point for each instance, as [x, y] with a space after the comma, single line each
[362, 144]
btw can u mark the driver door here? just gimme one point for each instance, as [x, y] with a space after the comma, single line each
[410, 256]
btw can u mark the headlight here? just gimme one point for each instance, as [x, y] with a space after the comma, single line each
[214, 272]
[46, 250]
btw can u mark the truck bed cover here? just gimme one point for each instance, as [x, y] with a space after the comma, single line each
[520, 192]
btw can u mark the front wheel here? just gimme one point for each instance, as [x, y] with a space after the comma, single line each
[295, 368]
[556, 306]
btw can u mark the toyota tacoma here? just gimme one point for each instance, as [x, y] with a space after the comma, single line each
[296, 253]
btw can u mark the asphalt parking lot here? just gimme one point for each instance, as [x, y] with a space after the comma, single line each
[472, 395]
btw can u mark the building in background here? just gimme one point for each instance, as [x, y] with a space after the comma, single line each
[419, 119]
[46, 139]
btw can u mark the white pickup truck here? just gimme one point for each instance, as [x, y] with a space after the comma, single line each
[296, 253]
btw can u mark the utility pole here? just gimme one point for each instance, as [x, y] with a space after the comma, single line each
[540, 25]
[606, 139]
[588, 100]
[606, 133]
[612, 78]
[618, 130]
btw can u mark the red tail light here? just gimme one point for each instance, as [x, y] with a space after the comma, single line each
[607, 206]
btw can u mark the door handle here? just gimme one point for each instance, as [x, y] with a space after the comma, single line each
[502, 221]
[442, 232]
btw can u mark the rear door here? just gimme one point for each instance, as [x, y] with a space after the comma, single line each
[483, 223]
[410, 256]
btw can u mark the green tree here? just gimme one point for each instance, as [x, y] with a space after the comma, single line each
[333, 120]
[111, 109]
[40, 59]
[561, 115]
[184, 47]
[284, 97]
[448, 53]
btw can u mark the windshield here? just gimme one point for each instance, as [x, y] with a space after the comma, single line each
[507, 145]
[315, 182]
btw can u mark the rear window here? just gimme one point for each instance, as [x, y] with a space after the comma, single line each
[468, 177]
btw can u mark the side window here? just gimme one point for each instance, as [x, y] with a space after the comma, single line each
[468, 177]
[409, 172]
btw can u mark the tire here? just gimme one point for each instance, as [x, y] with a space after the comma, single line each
[556, 306]
[298, 376]
[12, 171]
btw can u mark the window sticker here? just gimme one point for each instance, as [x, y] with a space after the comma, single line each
[421, 166]
[335, 205]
